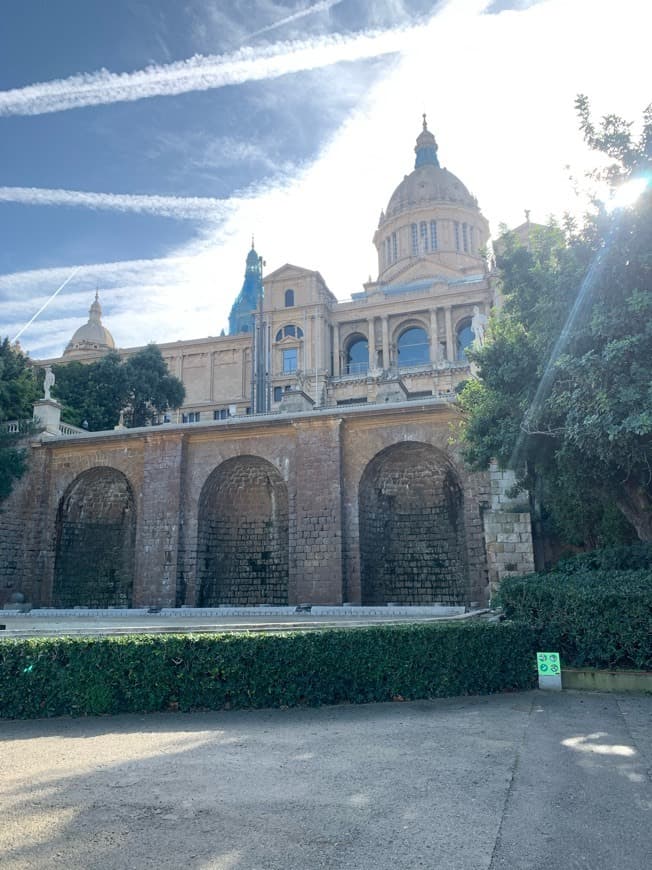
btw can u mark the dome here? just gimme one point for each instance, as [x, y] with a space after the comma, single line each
[431, 222]
[428, 182]
[92, 335]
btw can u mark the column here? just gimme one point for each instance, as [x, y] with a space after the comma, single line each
[316, 517]
[386, 360]
[336, 350]
[371, 342]
[450, 345]
[434, 337]
[157, 544]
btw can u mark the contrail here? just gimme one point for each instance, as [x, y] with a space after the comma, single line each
[46, 303]
[184, 207]
[323, 6]
[201, 73]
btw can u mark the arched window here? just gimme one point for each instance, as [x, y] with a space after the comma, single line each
[465, 338]
[289, 298]
[357, 356]
[291, 330]
[413, 348]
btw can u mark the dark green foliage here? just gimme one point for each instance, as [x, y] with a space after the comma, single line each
[18, 391]
[94, 393]
[564, 395]
[145, 673]
[594, 618]
[634, 557]
[97, 392]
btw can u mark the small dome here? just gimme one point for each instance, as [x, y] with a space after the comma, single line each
[92, 335]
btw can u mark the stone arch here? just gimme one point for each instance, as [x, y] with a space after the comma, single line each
[411, 520]
[413, 346]
[95, 541]
[243, 534]
[356, 353]
[464, 338]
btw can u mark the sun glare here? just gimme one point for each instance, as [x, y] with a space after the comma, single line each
[627, 194]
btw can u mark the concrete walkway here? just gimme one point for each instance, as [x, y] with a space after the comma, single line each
[533, 780]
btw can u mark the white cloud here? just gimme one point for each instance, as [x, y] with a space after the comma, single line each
[322, 6]
[183, 207]
[200, 73]
[499, 93]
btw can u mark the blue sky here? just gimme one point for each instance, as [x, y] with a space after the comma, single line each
[143, 142]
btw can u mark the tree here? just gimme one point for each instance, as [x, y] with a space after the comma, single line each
[94, 394]
[18, 391]
[564, 394]
[152, 389]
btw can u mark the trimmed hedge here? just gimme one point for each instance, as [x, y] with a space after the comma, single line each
[593, 618]
[145, 673]
[627, 557]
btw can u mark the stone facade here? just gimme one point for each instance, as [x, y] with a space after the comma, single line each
[363, 505]
[311, 461]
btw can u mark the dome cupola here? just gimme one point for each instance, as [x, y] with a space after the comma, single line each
[431, 219]
[92, 336]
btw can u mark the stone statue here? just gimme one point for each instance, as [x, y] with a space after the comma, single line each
[478, 325]
[48, 383]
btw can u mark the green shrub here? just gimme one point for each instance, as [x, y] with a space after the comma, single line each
[628, 557]
[600, 618]
[144, 673]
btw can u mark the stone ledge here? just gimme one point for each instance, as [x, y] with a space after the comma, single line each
[596, 680]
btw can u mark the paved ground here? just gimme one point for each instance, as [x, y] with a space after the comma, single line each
[533, 780]
[40, 623]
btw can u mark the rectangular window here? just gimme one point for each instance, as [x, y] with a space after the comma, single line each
[471, 238]
[433, 235]
[415, 241]
[394, 248]
[465, 237]
[278, 394]
[388, 252]
[216, 415]
[290, 360]
[457, 235]
[423, 229]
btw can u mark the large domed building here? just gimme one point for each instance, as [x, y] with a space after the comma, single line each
[402, 336]
[312, 458]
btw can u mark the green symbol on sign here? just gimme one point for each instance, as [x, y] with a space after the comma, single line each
[548, 663]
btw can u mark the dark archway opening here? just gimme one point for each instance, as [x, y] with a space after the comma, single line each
[242, 542]
[95, 542]
[412, 539]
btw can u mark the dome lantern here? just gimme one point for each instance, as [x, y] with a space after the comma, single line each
[426, 148]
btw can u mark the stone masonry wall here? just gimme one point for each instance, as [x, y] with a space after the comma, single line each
[318, 461]
[95, 538]
[316, 517]
[508, 530]
[243, 535]
[412, 542]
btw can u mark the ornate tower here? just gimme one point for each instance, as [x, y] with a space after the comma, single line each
[248, 300]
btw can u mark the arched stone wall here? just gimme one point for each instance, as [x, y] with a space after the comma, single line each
[242, 540]
[411, 520]
[95, 541]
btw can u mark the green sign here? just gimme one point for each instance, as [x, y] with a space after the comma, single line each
[548, 664]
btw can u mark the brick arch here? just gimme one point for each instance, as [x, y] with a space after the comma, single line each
[242, 538]
[411, 522]
[95, 541]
